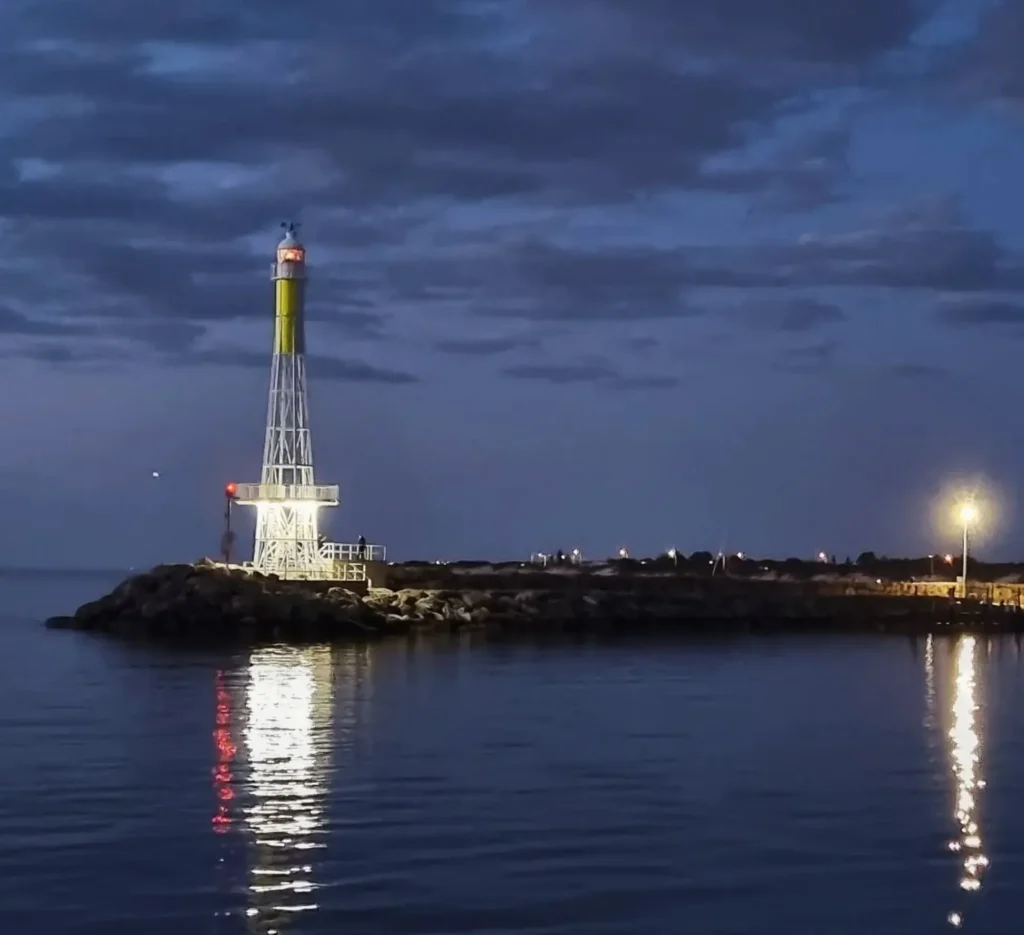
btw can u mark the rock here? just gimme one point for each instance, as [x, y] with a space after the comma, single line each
[205, 601]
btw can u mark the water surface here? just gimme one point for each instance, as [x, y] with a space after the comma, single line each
[809, 785]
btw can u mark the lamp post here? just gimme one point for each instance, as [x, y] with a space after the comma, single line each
[968, 516]
[228, 539]
[931, 558]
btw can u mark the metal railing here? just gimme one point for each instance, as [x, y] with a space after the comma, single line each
[352, 552]
[326, 494]
[348, 571]
[324, 571]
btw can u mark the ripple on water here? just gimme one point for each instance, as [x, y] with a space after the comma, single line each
[724, 788]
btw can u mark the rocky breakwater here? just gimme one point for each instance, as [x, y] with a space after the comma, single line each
[207, 602]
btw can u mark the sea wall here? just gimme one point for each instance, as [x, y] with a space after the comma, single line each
[611, 578]
[207, 602]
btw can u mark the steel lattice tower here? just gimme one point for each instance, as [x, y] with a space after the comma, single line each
[287, 498]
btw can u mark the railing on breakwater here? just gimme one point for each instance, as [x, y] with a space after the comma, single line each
[352, 552]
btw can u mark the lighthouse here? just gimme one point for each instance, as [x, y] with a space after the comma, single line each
[288, 499]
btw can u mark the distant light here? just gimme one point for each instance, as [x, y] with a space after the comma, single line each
[948, 559]
[672, 553]
[231, 488]
[156, 473]
[740, 556]
[623, 552]
[822, 557]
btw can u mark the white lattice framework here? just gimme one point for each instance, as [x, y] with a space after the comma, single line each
[287, 532]
[288, 499]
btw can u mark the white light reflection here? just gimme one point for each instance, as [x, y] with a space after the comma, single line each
[287, 747]
[929, 682]
[965, 754]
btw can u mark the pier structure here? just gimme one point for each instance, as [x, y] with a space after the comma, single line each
[288, 498]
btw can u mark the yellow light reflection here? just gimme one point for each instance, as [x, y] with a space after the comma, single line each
[965, 756]
[287, 744]
[929, 681]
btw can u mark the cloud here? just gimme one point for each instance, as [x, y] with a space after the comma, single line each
[847, 33]
[798, 315]
[915, 371]
[320, 366]
[51, 352]
[15, 323]
[563, 374]
[147, 157]
[562, 284]
[927, 244]
[805, 175]
[990, 67]
[809, 358]
[598, 372]
[486, 347]
[645, 383]
[985, 312]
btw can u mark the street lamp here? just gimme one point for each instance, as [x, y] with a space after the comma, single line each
[967, 513]
[674, 555]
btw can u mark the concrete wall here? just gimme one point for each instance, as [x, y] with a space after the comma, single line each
[377, 574]
[992, 592]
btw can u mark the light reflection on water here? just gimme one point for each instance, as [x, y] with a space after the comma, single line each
[273, 783]
[964, 750]
[284, 715]
[742, 785]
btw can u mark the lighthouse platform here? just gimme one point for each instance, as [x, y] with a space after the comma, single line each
[287, 494]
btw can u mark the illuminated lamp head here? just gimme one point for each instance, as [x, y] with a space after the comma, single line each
[293, 254]
[230, 489]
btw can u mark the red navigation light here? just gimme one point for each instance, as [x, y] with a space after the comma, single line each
[231, 489]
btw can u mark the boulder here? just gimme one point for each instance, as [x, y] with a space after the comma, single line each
[205, 601]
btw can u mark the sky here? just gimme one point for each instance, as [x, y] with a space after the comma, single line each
[742, 275]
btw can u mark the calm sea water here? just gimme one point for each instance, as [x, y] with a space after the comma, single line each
[446, 787]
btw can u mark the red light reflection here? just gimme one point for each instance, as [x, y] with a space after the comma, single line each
[226, 751]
